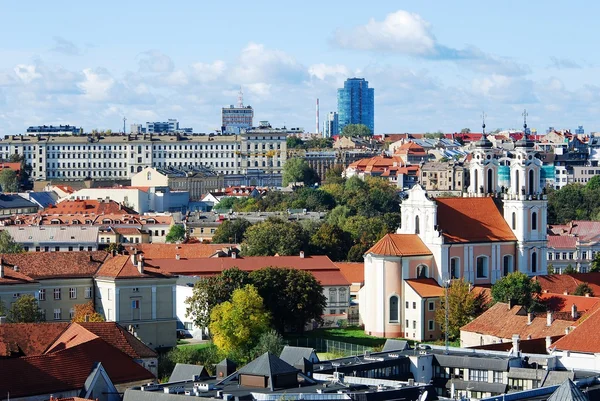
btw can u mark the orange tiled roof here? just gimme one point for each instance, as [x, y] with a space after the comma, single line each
[67, 370]
[585, 337]
[501, 322]
[354, 272]
[79, 206]
[121, 267]
[426, 287]
[11, 166]
[111, 332]
[563, 303]
[41, 265]
[185, 251]
[27, 339]
[400, 245]
[561, 283]
[472, 220]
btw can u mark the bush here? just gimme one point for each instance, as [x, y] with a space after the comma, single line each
[167, 360]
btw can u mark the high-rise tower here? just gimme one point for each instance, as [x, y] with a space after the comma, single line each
[356, 104]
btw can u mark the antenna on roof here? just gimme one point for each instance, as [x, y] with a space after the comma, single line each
[124, 119]
[240, 98]
[483, 116]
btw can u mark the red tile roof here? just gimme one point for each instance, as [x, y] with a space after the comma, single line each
[320, 266]
[67, 370]
[426, 287]
[42, 265]
[561, 283]
[585, 337]
[586, 231]
[400, 245]
[13, 277]
[111, 332]
[185, 251]
[11, 166]
[87, 206]
[353, 272]
[27, 339]
[562, 242]
[501, 322]
[121, 267]
[563, 303]
[474, 219]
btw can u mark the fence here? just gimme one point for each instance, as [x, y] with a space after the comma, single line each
[330, 346]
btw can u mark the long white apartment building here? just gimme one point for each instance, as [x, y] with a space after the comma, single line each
[120, 156]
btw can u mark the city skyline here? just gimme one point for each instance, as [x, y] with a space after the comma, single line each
[435, 66]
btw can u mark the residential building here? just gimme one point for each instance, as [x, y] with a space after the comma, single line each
[356, 104]
[443, 178]
[331, 125]
[566, 284]
[575, 244]
[235, 119]
[139, 297]
[12, 204]
[170, 126]
[55, 129]
[118, 156]
[197, 181]
[394, 169]
[448, 238]
[55, 238]
[412, 153]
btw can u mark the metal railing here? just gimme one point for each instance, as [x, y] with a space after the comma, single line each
[323, 345]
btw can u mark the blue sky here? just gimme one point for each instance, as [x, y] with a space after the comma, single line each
[434, 65]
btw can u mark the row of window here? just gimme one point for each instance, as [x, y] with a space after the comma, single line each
[57, 248]
[534, 220]
[57, 293]
[569, 255]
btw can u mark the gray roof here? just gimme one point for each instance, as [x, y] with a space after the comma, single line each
[43, 199]
[556, 377]
[395, 345]
[185, 372]
[268, 365]
[9, 201]
[526, 373]
[477, 386]
[294, 355]
[469, 362]
[228, 363]
[77, 234]
[568, 391]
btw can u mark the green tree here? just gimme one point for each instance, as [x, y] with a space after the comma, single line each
[231, 231]
[211, 291]
[569, 269]
[229, 202]
[595, 265]
[331, 241]
[8, 245]
[298, 170]
[356, 252]
[594, 183]
[461, 308]
[518, 288]
[237, 325]
[359, 130]
[86, 313]
[25, 310]
[294, 297]
[274, 236]
[550, 269]
[334, 175]
[269, 341]
[465, 130]
[293, 142]
[9, 180]
[176, 233]
[583, 289]
[115, 247]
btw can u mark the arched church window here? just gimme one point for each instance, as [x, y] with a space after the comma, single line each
[422, 271]
[534, 221]
[482, 267]
[514, 221]
[417, 228]
[534, 262]
[394, 312]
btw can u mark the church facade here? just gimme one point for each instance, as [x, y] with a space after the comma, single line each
[497, 227]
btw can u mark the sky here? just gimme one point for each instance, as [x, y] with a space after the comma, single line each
[435, 65]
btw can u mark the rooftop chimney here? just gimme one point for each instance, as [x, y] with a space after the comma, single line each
[133, 259]
[302, 254]
[1, 268]
[16, 268]
[529, 318]
[516, 339]
[510, 304]
[548, 342]
[233, 255]
[177, 256]
[565, 292]
[549, 318]
[574, 313]
[140, 264]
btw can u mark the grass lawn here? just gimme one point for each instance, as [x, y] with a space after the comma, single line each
[185, 344]
[352, 334]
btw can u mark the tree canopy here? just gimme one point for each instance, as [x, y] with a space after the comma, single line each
[298, 170]
[237, 325]
[583, 289]
[211, 291]
[574, 202]
[9, 180]
[176, 233]
[462, 308]
[519, 289]
[274, 236]
[8, 245]
[86, 313]
[231, 231]
[356, 130]
[25, 310]
[294, 297]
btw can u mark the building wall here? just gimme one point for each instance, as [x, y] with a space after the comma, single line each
[134, 198]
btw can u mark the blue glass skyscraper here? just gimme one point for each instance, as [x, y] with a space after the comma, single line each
[356, 104]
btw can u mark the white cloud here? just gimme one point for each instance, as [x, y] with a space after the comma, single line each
[176, 78]
[155, 62]
[400, 31]
[64, 46]
[258, 64]
[337, 73]
[27, 73]
[505, 89]
[97, 84]
[208, 72]
[563, 63]
[260, 89]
